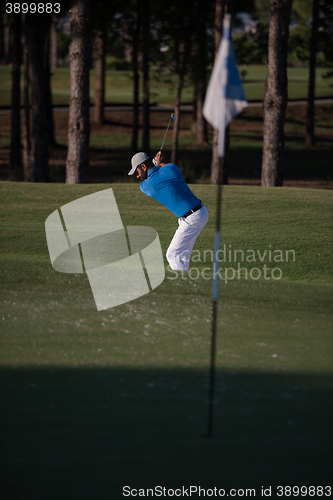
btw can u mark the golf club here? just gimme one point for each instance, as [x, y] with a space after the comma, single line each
[172, 117]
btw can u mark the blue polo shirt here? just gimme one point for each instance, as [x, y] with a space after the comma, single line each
[167, 186]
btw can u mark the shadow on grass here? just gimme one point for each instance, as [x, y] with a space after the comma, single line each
[252, 118]
[86, 433]
[151, 127]
[111, 165]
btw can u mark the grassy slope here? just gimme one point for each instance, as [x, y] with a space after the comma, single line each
[96, 400]
[119, 85]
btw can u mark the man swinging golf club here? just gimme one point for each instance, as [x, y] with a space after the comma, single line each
[166, 185]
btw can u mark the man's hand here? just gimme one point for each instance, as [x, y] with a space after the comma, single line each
[159, 158]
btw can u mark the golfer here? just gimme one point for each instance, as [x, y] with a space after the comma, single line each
[167, 186]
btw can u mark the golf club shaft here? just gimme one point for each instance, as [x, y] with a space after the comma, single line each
[165, 134]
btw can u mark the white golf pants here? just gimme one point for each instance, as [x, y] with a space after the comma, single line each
[181, 246]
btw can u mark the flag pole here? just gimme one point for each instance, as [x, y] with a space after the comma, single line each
[224, 100]
[211, 399]
[221, 143]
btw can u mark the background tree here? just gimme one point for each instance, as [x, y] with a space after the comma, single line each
[7, 29]
[2, 40]
[199, 70]
[125, 43]
[103, 22]
[125, 40]
[262, 11]
[63, 43]
[28, 162]
[310, 138]
[135, 68]
[54, 43]
[251, 48]
[311, 42]
[100, 41]
[15, 137]
[276, 94]
[303, 48]
[146, 13]
[77, 165]
[326, 31]
[136, 80]
[37, 31]
[176, 39]
[183, 43]
[48, 93]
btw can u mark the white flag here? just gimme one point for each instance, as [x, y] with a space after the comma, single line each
[225, 98]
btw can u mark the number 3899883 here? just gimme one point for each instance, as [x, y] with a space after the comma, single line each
[32, 8]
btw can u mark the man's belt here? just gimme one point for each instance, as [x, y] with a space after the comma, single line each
[195, 209]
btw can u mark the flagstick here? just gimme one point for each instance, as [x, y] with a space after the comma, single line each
[215, 110]
[215, 290]
[211, 400]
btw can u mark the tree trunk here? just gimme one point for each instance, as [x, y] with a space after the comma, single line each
[194, 112]
[199, 69]
[2, 42]
[77, 166]
[221, 7]
[15, 140]
[200, 127]
[135, 52]
[28, 163]
[176, 124]
[145, 64]
[37, 30]
[127, 31]
[54, 43]
[310, 137]
[48, 94]
[7, 43]
[184, 49]
[276, 94]
[100, 77]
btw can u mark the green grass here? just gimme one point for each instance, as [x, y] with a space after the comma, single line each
[93, 401]
[119, 85]
[298, 80]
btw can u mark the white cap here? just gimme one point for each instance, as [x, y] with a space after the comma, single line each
[136, 160]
